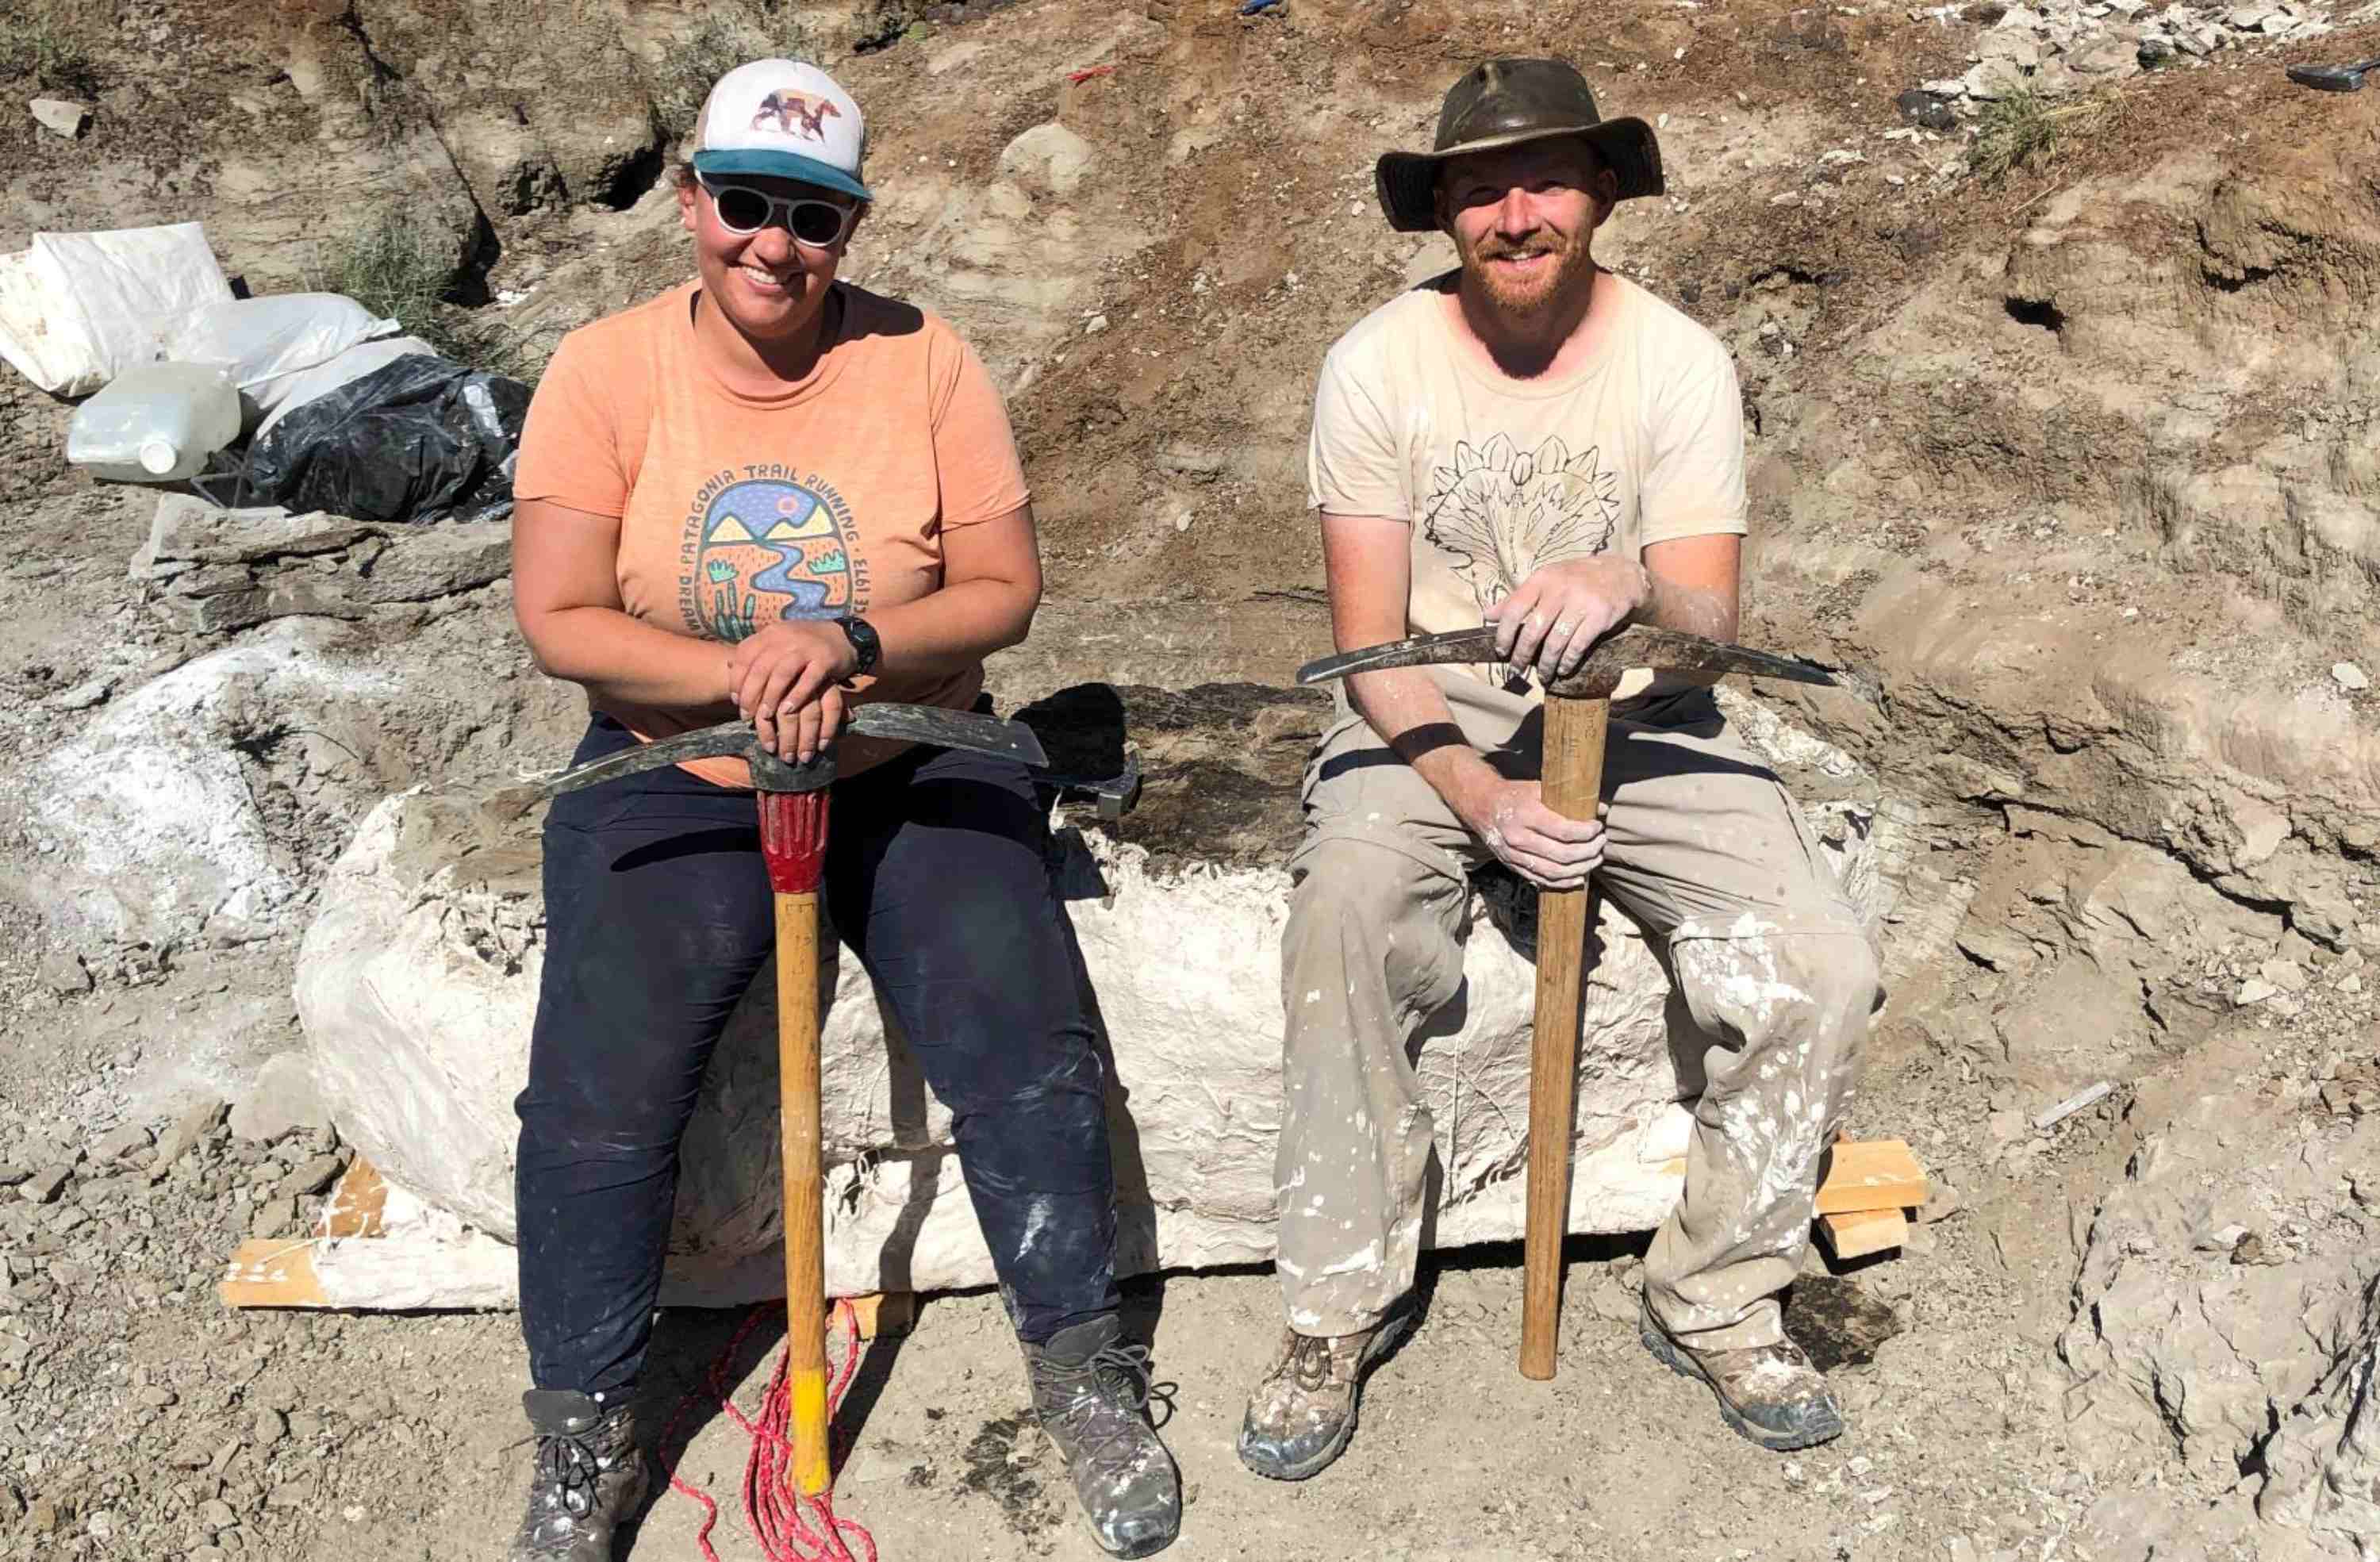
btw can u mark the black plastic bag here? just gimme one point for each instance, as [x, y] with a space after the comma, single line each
[421, 440]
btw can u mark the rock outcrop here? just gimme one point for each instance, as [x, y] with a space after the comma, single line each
[2323, 1463]
[2226, 1302]
[204, 803]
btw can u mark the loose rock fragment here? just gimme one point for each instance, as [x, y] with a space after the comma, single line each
[313, 1177]
[1927, 109]
[282, 1100]
[192, 1128]
[1942, 1202]
[82, 696]
[65, 974]
[61, 117]
[120, 1143]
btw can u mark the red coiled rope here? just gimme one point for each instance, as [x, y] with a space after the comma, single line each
[790, 1528]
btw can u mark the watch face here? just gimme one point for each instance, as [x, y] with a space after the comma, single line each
[864, 641]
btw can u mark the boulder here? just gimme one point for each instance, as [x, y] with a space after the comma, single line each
[417, 982]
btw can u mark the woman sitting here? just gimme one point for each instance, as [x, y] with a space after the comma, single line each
[766, 494]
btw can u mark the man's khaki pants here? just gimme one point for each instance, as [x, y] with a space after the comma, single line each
[1772, 978]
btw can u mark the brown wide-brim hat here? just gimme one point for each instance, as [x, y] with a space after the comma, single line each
[1507, 103]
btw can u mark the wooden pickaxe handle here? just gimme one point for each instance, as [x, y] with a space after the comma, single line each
[793, 841]
[1571, 785]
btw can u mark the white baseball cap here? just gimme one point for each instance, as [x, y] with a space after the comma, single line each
[783, 119]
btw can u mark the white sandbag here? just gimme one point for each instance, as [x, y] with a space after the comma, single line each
[264, 343]
[40, 331]
[77, 309]
[364, 357]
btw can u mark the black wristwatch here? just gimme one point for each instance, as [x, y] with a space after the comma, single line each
[864, 644]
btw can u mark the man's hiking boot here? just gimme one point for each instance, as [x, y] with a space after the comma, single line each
[1770, 1394]
[589, 1476]
[1302, 1410]
[1091, 1392]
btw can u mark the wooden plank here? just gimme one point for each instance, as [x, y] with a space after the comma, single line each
[272, 1272]
[886, 1313]
[1857, 1233]
[408, 1272]
[1861, 1174]
[357, 1205]
[420, 1271]
[1870, 1174]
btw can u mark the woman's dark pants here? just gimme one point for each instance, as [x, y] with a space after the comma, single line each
[659, 916]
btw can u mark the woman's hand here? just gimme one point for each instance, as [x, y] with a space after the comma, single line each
[784, 681]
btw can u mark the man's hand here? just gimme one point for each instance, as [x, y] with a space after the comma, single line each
[1549, 851]
[784, 679]
[1553, 618]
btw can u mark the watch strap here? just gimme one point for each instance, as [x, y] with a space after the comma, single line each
[864, 642]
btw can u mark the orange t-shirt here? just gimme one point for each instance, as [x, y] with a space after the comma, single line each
[737, 511]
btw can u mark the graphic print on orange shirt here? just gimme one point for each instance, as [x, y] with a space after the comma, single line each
[763, 543]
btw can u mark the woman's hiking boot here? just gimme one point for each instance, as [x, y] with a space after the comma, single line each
[1769, 1394]
[1091, 1393]
[589, 1476]
[1303, 1410]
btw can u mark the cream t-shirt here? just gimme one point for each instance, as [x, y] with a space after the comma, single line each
[1497, 476]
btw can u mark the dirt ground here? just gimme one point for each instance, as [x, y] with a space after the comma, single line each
[2076, 473]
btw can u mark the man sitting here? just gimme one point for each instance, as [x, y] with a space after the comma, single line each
[1534, 442]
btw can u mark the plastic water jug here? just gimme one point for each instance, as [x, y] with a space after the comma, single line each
[154, 423]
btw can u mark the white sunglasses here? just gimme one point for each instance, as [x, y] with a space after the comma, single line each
[743, 211]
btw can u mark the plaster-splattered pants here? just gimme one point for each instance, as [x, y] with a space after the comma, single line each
[1772, 981]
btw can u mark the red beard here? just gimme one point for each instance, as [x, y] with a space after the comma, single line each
[1524, 298]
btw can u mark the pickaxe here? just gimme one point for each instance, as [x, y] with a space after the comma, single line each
[792, 802]
[2333, 77]
[1570, 781]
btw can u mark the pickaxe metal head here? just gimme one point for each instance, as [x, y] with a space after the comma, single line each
[735, 740]
[1614, 655]
[2332, 77]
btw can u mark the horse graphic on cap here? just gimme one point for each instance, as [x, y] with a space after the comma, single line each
[793, 112]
